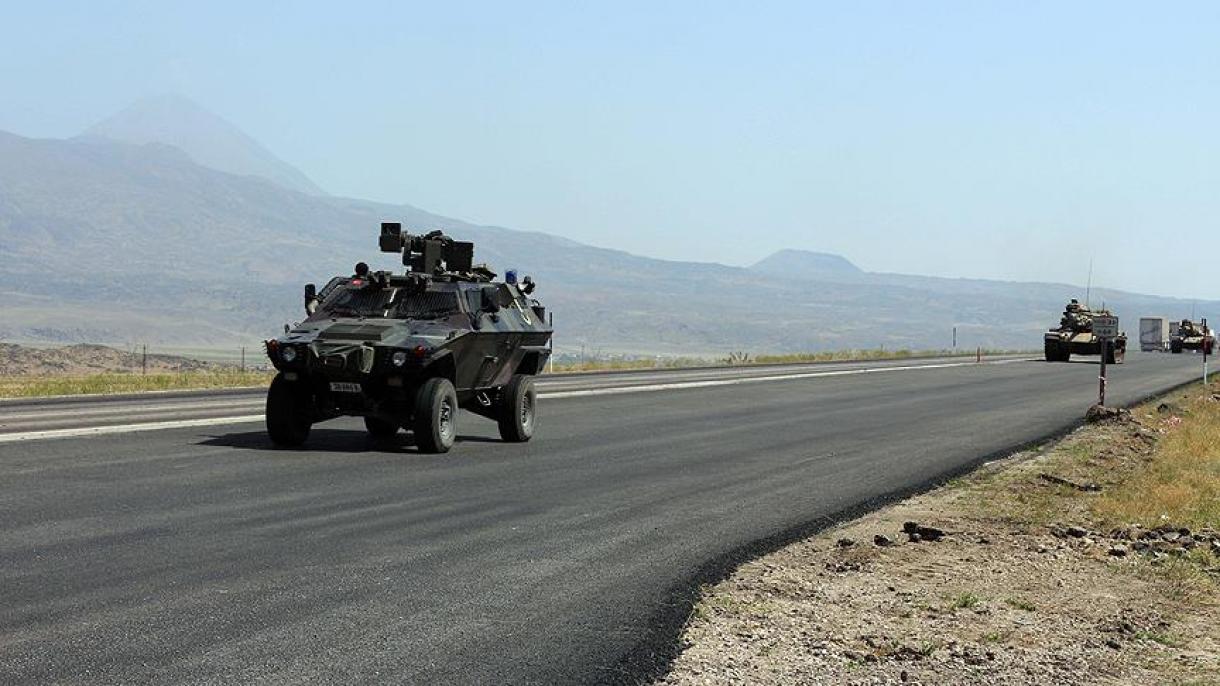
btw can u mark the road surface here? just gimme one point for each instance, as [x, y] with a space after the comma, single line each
[164, 540]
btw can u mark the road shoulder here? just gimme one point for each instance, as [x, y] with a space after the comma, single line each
[1095, 559]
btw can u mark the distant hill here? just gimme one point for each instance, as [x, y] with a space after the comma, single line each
[18, 360]
[206, 138]
[109, 242]
[806, 264]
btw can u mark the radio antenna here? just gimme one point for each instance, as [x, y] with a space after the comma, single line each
[1089, 286]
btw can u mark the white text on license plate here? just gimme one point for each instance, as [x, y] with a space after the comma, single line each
[344, 387]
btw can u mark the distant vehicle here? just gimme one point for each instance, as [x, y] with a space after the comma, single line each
[1154, 334]
[1074, 336]
[408, 350]
[1188, 335]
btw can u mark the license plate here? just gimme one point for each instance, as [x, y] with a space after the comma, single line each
[344, 387]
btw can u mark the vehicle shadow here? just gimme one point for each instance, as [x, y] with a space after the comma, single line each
[331, 441]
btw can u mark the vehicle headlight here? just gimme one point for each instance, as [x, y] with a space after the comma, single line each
[288, 354]
[398, 359]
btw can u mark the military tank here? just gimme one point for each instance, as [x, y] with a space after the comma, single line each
[1191, 336]
[407, 351]
[1074, 336]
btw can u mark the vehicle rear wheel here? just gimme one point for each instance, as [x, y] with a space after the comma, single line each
[1175, 347]
[380, 428]
[435, 418]
[288, 412]
[518, 408]
[1114, 355]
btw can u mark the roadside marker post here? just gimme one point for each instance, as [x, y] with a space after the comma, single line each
[1205, 347]
[1106, 330]
[1101, 391]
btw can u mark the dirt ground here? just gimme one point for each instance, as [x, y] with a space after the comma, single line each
[1007, 576]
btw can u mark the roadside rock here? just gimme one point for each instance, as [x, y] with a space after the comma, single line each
[1100, 413]
[917, 532]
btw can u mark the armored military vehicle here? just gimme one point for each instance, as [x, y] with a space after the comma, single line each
[408, 350]
[1188, 335]
[1074, 336]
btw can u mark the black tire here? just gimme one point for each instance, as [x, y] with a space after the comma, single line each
[289, 412]
[1175, 347]
[435, 418]
[518, 409]
[1051, 350]
[1111, 354]
[380, 428]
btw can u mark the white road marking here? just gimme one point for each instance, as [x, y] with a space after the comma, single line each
[77, 432]
[758, 379]
[125, 428]
[89, 411]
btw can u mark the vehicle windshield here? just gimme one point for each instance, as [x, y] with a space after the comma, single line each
[354, 301]
[349, 301]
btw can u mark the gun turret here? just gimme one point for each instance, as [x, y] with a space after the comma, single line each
[433, 253]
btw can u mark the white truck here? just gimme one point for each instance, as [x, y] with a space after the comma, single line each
[1154, 334]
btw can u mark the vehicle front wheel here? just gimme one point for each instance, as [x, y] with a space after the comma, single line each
[1051, 351]
[288, 412]
[518, 407]
[435, 418]
[380, 428]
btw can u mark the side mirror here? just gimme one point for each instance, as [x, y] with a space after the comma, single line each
[311, 298]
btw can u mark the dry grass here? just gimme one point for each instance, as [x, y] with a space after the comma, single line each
[1181, 484]
[114, 382]
[737, 359]
[634, 363]
[877, 354]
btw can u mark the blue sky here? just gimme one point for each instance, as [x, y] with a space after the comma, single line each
[1003, 140]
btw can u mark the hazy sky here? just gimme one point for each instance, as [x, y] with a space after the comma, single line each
[1003, 140]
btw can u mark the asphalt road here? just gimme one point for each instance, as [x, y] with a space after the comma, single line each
[200, 554]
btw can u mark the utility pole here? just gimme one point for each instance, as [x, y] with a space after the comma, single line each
[243, 359]
[955, 339]
[550, 318]
[144, 360]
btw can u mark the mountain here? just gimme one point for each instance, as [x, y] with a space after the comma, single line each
[209, 140]
[110, 242]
